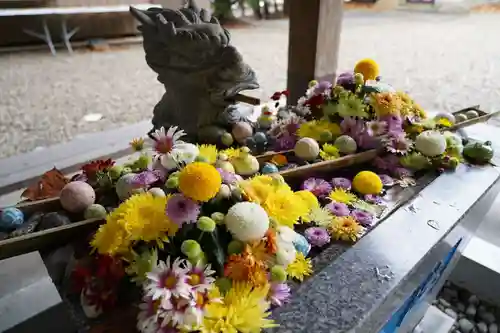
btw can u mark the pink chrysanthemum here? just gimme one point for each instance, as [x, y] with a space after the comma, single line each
[397, 143]
[317, 186]
[342, 183]
[338, 208]
[166, 140]
[317, 236]
[181, 209]
[376, 128]
[167, 280]
[279, 293]
[362, 217]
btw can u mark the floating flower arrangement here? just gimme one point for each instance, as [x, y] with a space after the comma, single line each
[212, 237]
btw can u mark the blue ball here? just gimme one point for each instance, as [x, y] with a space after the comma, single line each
[260, 137]
[250, 142]
[269, 168]
[11, 218]
[301, 245]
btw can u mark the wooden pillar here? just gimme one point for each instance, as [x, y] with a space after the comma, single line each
[313, 43]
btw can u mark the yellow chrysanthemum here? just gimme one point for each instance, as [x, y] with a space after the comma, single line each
[329, 152]
[244, 308]
[310, 202]
[231, 153]
[367, 67]
[208, 153]
[443, 122]
[300, 268]
[284, 207]
[321, 216]
[137, 144]
[256, 189]
[345, 228]
[316, 128]
[386, 103]
[140, 218]
[199, 181]
[343, 196]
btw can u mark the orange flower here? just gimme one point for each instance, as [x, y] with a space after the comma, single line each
[272, 247]
[279, 160]
[245, 267]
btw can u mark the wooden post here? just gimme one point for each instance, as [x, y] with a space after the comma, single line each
[314, 38]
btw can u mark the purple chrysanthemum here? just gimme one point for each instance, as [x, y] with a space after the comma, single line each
[352, 127]
[363, 218]
[394, 123]
[317, 186]
[145, 178]
[279, 293]
[182, 210]
[345, 79]
[366, 141]
[373, 199]
[342, 183]
[376, 128]
[285, 142]
[322, 87]
[317, 236]
[397, 143]
[228, 177]
[338, 208]
[386, 180]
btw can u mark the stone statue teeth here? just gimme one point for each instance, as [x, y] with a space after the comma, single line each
[191, 53]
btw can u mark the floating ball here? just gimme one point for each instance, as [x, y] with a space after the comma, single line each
[250, 142]
[301, 244]
[227, 139]
[95, 211]
[472, 114]
[307, 149]
[247, 221]
[77, 196]
[367, 182]
[157, 192]
[11, 218]
[460, 117]
[53, 220]
[124, 186]
[260, 137]
[269, 168]
[346, 144]
[241, 131]
[446, 115]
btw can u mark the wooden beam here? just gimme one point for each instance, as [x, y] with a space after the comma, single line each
[313, 47]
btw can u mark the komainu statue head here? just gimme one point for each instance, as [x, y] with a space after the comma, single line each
[191, 53]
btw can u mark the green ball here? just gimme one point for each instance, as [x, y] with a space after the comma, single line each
[326, 136]
[95, 211]
[218, 217]
[191, 248]
[359, 79]
[227, 139]
[312, 83]
[172, 183]
[278, 274]
[206, 224]
[142, 162]
[115, 171]
[235, 247]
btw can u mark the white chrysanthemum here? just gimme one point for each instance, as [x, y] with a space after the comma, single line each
[177, 313]
[173, 133]
[166, 281]
[149, 316]
[286, 253]
[200, 276]
[247, 221]
[183, 153]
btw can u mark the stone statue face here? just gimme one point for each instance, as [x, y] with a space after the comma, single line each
[188, 46]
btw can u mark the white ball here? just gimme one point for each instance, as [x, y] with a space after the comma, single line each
[346, 144]
[124, 187]
[286, 254]
[157, 192]
[247, 221]
[306, 149]
[430, 143]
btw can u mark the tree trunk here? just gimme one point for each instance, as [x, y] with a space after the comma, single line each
[267, 14]
[286, 7]
[241, 4]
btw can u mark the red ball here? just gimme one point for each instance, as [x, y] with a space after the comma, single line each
[77, 196]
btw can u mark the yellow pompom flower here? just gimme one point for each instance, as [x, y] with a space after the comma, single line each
[284, 207]
[199, 181]
[244, 308]
[208, 153]
[300, 268]
[345, 228]
[343, 196]
[386, 103]
[368, 68]
[315, 128]
[257, 188]
[367, 182]
[329, 152]
[140, 218]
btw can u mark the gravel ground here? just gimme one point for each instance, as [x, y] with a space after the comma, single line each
[445, 61]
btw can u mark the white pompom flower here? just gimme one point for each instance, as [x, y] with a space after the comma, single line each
[247, 221]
